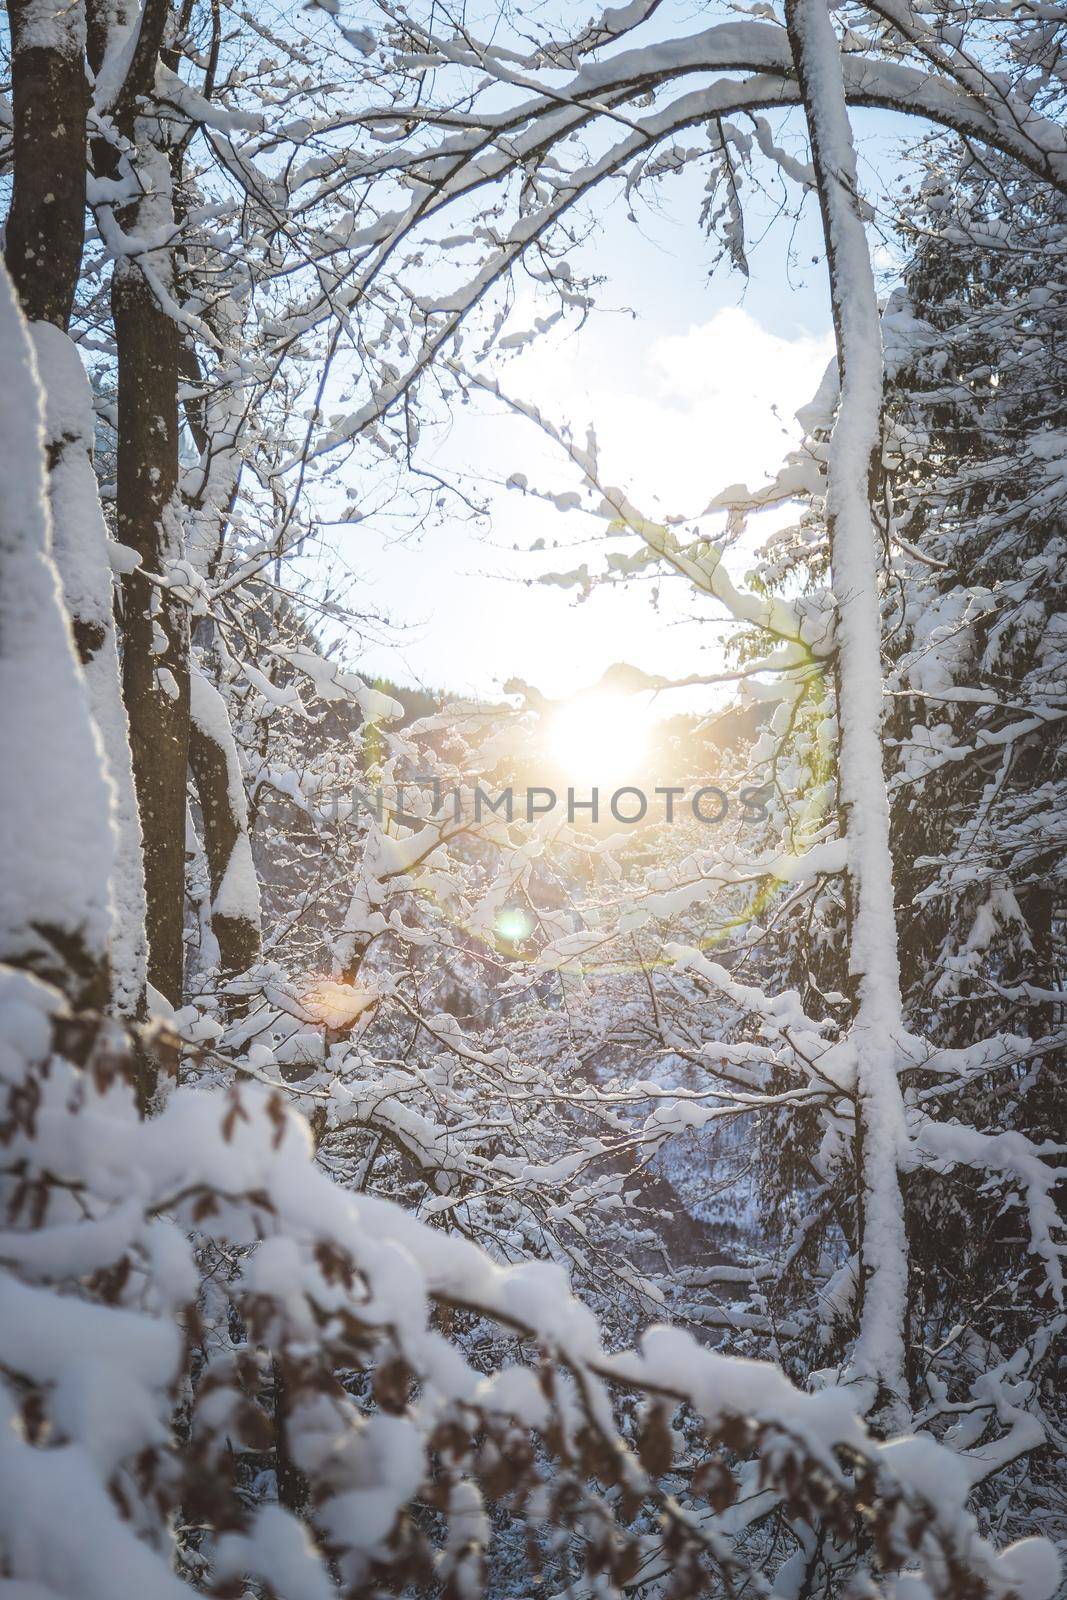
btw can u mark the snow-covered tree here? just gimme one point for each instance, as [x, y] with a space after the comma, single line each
[226, 1352]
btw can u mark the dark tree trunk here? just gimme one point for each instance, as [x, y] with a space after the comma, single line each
[45, 229]
[155, 623]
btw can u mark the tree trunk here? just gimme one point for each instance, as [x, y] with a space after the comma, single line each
[235, 918]
[155, 622]
[80, 544]
[43, 246]
[878, 1358]
[235, 911]
[45, 229]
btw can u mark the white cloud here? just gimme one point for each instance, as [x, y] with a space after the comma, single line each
[732, 356]
[690, 412]
[677, 417]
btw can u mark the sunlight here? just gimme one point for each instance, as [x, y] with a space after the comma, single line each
[514, 925]
[337, 1005]
[599, 738]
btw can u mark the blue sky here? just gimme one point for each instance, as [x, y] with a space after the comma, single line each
[690, 380]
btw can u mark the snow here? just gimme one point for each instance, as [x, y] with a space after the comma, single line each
[237, 895]
[1033, 1569]
[1013, 1155]
[338, 1004]
[928, 1468]
[277, 1547]
[51, 25]
[384, 1460]
[862, 797]
[83, 555]
[58, 1528]
[534, 1139]
[331, 682]
[56, 836]
[42, 1341]
[110, 1367]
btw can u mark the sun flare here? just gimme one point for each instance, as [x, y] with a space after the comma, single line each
[598, 738]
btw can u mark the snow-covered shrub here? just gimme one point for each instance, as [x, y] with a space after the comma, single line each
[219, 1365]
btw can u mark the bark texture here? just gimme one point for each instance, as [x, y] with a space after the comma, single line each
[155, 622]
[45, 229]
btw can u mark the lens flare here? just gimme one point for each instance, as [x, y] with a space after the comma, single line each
[514, 925]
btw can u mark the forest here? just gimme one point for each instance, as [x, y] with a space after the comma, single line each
[591, 1126]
